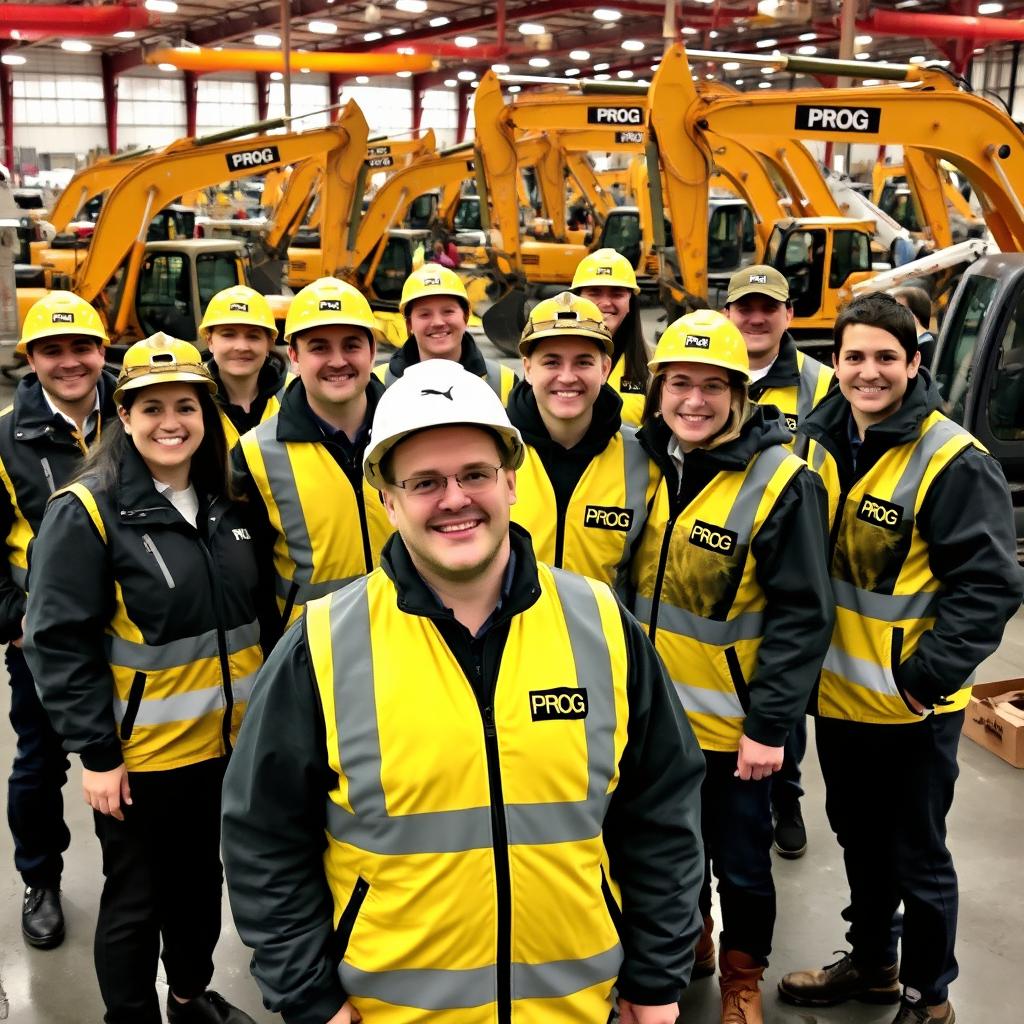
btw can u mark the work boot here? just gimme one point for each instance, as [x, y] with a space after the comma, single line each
[704, 952]
[790, 838]
[918, 1013]
[845, 979]
[209, 1008]
[42, 920]
[740, 977]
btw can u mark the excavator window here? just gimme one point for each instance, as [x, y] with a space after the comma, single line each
[164, 296]
[467, 215]
[394, 267]
[851, 253]
[726, 237]
[803, 264]
[960, 337]
[422, 211]
[622, 233]
[1006, 396]
[215, 271]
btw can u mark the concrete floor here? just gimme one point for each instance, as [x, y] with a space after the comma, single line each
[986, 835]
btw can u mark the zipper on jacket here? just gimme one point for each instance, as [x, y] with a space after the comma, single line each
[363, 527]
[150, 546]
[131, 710]
[739, 684]
[48, 473]
[502, 877]
[222, 645]
[659, 578]
[289, 604]
[614, 910]
[347, 921]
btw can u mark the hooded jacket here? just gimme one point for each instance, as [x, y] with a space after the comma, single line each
[270, 384]
[282, 790]
[732, 582]
[499, 378]
[143, 632]
[950, 540]
[39, 453]
[584, 506]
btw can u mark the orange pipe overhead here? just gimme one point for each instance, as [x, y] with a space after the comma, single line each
[189, 58]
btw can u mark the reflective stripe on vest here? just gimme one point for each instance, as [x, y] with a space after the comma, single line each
[710, 647]
[813, 375]
[383, 824]
[886, 596]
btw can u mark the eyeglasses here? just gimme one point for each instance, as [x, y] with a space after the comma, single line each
[683, 386]
[433, 485]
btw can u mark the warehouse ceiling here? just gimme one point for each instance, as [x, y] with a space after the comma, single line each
[559, 38]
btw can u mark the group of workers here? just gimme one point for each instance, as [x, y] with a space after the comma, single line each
[476, 683]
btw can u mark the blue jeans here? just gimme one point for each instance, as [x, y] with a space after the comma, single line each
[35, 807]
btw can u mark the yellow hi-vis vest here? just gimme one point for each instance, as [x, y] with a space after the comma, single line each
[632, 394]
[698, 595]
[169, 698]
[885, 592]
[326, 533]
[231, 434]
[500, 379]
[604, 516]
[464, 847]
[796, 402]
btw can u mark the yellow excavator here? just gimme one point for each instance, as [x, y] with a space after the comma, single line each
[929, 111]
[141, 287]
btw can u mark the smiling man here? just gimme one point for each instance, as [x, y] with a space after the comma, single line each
[303, 467]
[59, 410]
[924, 578]
[585, 481]
[506, 783]
[436, 310]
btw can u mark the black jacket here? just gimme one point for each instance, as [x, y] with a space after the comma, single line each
[565, 466]
[175, 582]
[272, 379]
[792, 571]
[38, 454]
[783, 373]
[967, 521]
[274, 807]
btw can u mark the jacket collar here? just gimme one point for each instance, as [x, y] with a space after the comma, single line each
[470, 357]
[295, 421]
[137, 499]
[604, 424]
[784, 372]
[416, 598]
[33, 417]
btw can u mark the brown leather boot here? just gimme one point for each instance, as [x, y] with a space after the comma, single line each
[740, 977]
[704, 952]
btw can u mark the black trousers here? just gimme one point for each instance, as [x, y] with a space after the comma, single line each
[786, 788]
[888, 789]
[35, 807]
[163, 881]
[736, 826]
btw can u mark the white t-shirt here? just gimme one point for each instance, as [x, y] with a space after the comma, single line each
[756, 375]
[186, 501]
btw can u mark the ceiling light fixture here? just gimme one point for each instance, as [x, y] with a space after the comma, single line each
[607, 14]
[323, 28]
[807, 51]
[731, 65]
[808, 37]
[372, 37]
[465, 42]
[411, 6]
[601, 67]
[12, 59]
[989, 8]
[571, 72]
[624, 73]
[438, 22]
[466, 76]
[162, 6]
[404, 74]
[75, 46]
[766, 44]
[529, 28]
[276, 76]
[864, 40]
[633, 45]
[539, 62]
[126, 34]
[266, 39]
[514, 88]
[166, 67]
[579, 55]
[602, 77]
[500, 69]
[361, 79]
[450, 83]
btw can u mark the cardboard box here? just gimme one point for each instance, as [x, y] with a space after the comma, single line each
[995, 719]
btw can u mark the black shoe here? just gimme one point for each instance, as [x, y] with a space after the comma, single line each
[790, 834]
[911, 1013]
[42, 920]
[209, 1008]
[845, 979]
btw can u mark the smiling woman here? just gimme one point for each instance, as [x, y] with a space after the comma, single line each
[143, 612]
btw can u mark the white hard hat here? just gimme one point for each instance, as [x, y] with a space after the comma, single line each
[436, 393]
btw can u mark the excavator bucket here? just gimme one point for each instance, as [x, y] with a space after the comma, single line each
[505, 320]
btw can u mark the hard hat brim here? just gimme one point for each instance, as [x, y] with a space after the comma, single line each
[22, 347]
[656, 365]
[603, 282]
[170, 377]
[527, 345]
[439, 293]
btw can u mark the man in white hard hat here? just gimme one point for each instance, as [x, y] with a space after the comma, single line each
[506, 783]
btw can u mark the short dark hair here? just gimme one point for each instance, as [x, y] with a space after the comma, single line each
[293, 341]
[918, 302]
[877, 310]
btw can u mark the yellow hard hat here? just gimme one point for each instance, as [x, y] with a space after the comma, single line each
[565, 316]
[432, 279]
[59, 313]
[703, 336]
[329, 301]
[161, 359]
[238, 305]
[605, 268]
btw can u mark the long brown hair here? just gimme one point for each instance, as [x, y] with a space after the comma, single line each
[631, 347]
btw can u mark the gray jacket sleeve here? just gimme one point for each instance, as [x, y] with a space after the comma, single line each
[792, 570]
[967, 521]
[652, 832]
[70, 603]
[274, 817]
